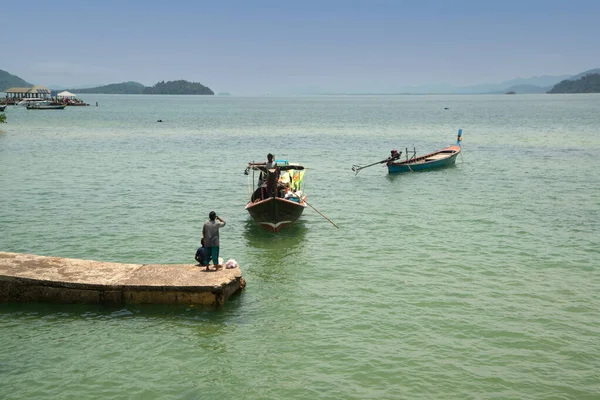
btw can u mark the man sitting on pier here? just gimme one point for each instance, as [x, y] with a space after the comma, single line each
[201, 254]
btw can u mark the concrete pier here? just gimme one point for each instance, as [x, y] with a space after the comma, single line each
[30, 278]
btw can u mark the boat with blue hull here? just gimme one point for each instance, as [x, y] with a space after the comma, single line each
[412, 163]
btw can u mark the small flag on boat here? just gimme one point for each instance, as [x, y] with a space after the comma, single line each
[459, 138]
[297, 179]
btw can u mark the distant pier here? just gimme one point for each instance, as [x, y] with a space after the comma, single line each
[31, 278]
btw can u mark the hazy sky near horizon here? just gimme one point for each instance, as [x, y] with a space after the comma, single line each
[253, 47]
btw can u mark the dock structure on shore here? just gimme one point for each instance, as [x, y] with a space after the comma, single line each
[31, 278]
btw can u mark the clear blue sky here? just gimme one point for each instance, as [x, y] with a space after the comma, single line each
[253, 47]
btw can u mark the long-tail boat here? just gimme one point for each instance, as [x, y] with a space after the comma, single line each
[277, 198]
[412, 162]
[47, 105]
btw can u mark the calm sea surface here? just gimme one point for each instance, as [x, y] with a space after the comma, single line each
[480, 281]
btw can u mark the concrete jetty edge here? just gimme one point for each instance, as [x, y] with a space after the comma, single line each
[32, 278]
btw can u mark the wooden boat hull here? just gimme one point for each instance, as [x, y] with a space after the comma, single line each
[275, 213]
[439, 159]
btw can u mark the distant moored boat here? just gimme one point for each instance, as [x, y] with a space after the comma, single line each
[47, 105]
[437, 159]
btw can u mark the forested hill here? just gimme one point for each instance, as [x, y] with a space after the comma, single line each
[178, 87]
[115, 88]
[8, 81]
[586, 84]
[171, 87]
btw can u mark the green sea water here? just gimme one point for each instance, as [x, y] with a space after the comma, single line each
[480, 281]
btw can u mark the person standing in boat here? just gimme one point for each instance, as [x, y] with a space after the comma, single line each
[271, 177]
[210, 232]
[271, 163]
[261, 191]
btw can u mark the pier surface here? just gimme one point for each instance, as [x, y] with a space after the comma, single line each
[29, 278]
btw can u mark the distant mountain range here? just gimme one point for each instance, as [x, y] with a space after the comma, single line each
[536, 84]
[588, 83]
[115, 88]
[581, 75]
[533, 88]
[171, 87]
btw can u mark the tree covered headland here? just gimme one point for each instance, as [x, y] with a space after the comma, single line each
[171, 87]
[115, 88]
[8, 81]
[586, 84]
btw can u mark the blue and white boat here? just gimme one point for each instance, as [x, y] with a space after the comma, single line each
[437, 159]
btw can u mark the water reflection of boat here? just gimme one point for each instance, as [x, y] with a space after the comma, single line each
[276, 246]
[290, 238]
[275, 254]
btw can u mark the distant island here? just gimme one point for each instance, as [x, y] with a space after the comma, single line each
[586, 84]
[8, 81]
[171, 87]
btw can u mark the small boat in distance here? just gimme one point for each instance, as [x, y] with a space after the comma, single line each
[437, 159]
[33, 100]
[2, 107]
[46, 105]
[277, 198]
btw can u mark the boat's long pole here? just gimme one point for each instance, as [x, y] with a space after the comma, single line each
[357, 168]
[321, 214]
[459, 143]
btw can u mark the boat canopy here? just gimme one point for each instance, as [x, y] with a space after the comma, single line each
[291, 166]
[284, 167]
